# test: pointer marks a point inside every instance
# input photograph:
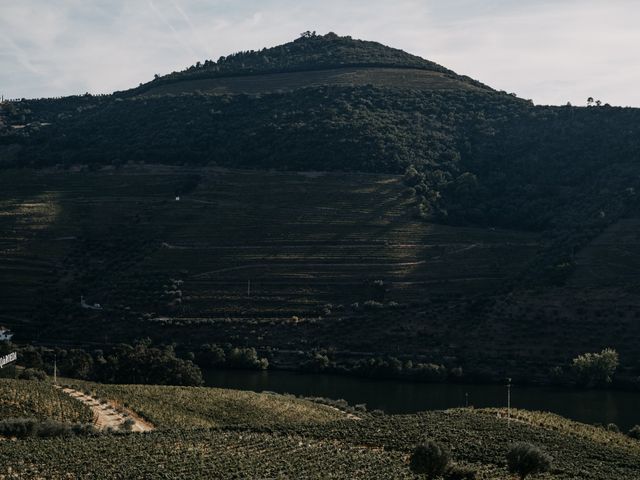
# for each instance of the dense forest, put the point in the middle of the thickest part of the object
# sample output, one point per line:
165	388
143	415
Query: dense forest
477	157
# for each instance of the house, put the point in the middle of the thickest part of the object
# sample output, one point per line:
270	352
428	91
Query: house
5	334
95	306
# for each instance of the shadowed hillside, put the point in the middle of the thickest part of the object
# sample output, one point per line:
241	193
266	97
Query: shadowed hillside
444	222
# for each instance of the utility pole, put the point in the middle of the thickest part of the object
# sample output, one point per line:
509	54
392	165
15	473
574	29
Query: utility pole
55	369
248	288
509	400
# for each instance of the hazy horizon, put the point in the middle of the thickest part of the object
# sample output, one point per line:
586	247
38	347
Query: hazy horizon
550	52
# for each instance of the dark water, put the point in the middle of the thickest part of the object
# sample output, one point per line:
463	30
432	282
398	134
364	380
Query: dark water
591	406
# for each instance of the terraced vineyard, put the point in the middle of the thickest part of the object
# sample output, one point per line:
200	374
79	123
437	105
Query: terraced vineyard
302	241
347	76
611	259
283	261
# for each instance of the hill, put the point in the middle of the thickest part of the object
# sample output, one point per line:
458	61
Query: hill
310	247
309	53
198	407
465	225
372	446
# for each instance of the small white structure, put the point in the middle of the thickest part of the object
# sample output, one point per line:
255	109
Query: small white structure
95	306
177	198
5	334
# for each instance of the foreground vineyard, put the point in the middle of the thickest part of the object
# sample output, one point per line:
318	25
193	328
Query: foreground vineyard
369	448
175	407
33	399
273	436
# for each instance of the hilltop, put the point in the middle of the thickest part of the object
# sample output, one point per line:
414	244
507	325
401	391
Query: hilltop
309	53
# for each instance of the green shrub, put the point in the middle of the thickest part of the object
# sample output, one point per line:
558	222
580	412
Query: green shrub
17	427
430	459
634	432
525	459
247	358
32	374
593	369
30	427
128	424
458	472
316	362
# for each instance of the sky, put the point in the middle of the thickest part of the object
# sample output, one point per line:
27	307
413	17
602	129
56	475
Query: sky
549	51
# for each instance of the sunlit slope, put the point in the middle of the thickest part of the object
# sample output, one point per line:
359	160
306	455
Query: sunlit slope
204	407
375	447
347	76
302	241
36	399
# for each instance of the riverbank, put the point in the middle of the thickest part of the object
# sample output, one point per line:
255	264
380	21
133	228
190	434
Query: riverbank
394	396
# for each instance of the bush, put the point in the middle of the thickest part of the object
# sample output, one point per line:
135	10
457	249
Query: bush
83	429
634	432
17	427
592	369
429	372
144	363
30	427
430	459
458	472
525	459
372	304
246	358
316	363
210	356
612	427
128	424
32	374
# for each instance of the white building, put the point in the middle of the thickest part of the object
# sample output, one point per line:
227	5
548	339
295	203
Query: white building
5	334
95	306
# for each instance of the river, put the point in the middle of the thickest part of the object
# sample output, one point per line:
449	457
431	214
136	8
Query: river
588	406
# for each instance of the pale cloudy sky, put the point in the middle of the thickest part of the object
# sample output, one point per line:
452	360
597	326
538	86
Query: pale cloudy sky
551	51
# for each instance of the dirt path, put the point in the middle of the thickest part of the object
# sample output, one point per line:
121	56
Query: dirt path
348	415
106	415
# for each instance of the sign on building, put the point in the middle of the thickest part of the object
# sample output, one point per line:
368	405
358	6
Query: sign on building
11	357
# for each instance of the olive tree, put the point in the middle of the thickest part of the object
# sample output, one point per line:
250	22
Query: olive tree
429	459
593	369
525	459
